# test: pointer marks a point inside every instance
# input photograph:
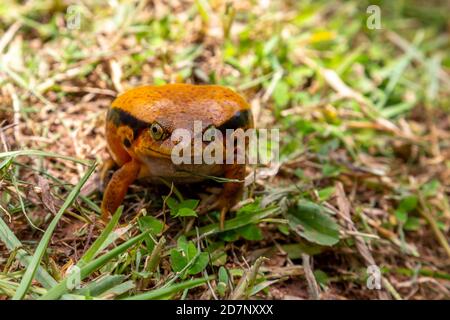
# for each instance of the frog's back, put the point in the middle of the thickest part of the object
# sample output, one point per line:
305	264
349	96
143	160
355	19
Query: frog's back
178	105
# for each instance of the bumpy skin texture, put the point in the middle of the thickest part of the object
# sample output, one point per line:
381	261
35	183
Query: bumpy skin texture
139	154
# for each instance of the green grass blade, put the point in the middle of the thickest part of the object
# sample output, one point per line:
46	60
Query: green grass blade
95	247
168	291
39	153
85	271
12	243
119	289
101	285
40	250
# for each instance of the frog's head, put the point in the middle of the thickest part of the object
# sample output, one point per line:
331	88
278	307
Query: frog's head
146	117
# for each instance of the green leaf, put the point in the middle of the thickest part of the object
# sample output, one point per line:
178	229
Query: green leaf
191	251
281	94
177	260
326	193
223	274
229	236
250	208
151	224
250	232
189	203
321	277
186	212
310	221
155	227
200	263
185	208
284	229
182	243
172	204
408	203
222	288
430	188
401	215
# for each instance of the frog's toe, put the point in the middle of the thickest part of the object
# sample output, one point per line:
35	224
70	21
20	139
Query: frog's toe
224	205
223	215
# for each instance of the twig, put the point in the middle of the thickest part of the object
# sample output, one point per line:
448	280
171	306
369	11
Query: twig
313	288
344	212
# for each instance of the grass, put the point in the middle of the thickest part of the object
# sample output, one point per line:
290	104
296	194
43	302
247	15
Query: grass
364	172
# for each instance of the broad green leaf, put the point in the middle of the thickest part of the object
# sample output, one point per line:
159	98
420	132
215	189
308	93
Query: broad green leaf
186	212
189	203
151	224
172	204
155	227
200	263
229	236
223	274
183	244
177	260
250	232
312	222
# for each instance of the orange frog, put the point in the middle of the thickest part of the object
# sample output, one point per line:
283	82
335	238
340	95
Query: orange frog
139	126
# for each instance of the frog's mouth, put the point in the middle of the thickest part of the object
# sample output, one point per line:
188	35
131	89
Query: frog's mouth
158	153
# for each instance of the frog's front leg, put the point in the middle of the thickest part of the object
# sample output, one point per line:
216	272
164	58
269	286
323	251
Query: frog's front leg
232	191
117	187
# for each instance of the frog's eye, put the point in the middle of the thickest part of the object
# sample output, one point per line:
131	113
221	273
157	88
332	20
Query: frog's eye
156	131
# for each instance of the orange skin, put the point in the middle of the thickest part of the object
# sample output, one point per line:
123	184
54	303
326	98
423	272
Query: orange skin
138	133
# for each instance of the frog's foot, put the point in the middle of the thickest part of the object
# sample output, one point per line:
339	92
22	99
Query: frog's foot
223	204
